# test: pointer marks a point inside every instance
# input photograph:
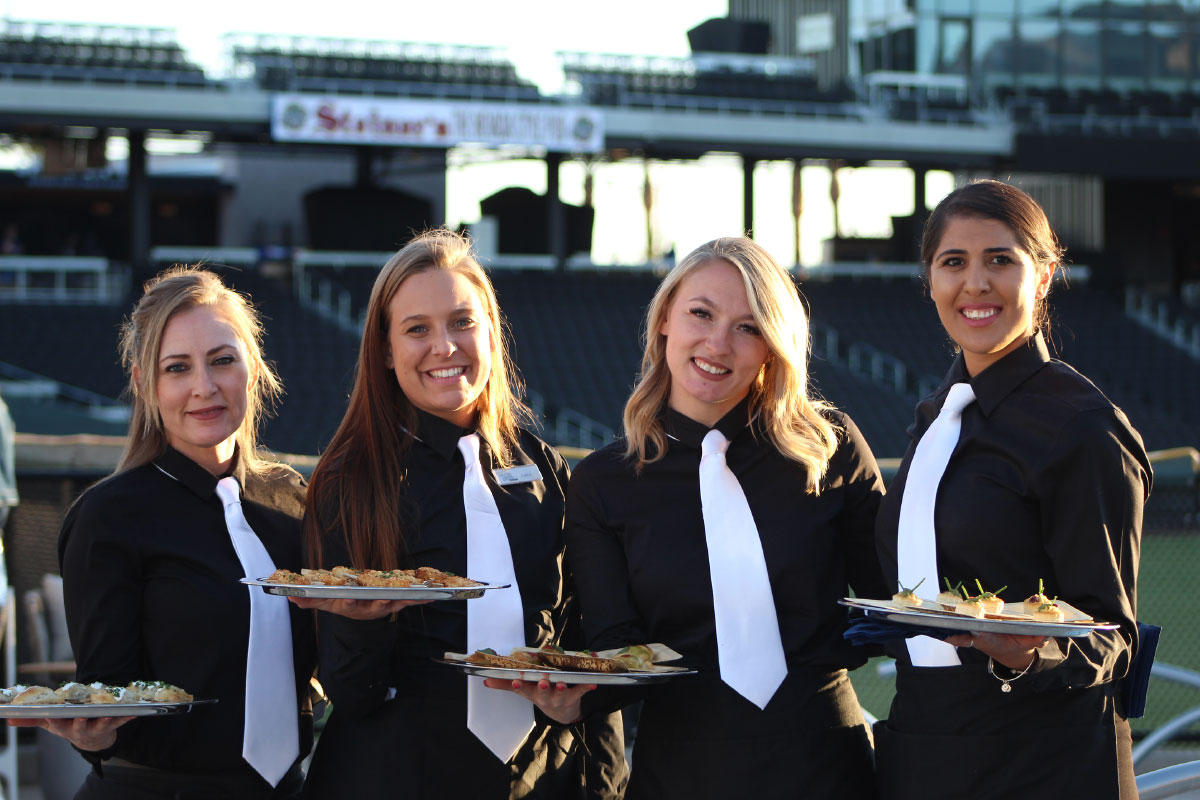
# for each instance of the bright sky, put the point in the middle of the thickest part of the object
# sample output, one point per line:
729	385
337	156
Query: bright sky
693	202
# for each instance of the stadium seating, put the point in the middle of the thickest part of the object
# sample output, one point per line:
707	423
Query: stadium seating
379	68
96	54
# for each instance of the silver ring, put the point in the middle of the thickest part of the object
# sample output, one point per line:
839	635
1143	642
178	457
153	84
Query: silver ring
971	643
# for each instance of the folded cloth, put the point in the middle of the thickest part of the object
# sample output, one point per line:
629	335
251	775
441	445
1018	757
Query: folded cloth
1135	684
877	630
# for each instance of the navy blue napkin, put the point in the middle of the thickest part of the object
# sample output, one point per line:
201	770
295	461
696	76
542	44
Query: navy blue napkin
1135	685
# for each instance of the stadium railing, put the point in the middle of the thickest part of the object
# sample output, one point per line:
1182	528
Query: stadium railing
61	279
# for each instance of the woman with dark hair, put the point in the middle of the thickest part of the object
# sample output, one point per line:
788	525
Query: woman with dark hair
726	523
151	563
1044	482
434	406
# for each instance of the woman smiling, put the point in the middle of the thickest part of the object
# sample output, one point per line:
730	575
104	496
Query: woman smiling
1042	481
726	523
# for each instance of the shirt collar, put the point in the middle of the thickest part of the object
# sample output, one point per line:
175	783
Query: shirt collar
996	382
200	481
439	435
692	433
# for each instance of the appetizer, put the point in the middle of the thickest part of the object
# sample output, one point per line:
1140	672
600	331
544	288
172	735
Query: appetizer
971	606
1048	612
519	659
908	597
423	577
1036	601
990	601
952	595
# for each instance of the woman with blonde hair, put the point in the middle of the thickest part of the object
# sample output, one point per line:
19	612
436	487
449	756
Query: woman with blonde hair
433	413
726	523
152	555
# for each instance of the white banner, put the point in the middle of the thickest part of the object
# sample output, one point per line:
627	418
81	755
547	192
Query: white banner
434	123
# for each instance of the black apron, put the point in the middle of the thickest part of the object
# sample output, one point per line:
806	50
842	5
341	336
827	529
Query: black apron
952	733
698	738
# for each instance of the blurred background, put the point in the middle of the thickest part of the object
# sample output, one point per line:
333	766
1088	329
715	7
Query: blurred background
585	148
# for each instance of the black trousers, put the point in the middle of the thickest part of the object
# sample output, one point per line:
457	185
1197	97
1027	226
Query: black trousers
147	783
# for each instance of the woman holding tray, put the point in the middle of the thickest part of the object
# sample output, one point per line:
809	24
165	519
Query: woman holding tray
726	524
431	468
1020	470
151	558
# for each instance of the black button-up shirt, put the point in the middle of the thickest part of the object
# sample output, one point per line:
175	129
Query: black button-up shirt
636	542
1047	480
151	588
361	660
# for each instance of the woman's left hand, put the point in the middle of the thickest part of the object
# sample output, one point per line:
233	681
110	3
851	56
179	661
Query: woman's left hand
1015	652
560	702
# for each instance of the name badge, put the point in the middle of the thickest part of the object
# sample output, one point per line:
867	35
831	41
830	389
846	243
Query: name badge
525	473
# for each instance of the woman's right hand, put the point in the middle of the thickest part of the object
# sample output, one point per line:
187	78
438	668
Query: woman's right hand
86	734
356	609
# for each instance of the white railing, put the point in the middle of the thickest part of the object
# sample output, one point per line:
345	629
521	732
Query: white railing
84	280
1154	314
573	429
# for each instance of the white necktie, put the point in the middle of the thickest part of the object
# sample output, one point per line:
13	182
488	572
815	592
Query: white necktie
271	737
916	539
749	650
501	720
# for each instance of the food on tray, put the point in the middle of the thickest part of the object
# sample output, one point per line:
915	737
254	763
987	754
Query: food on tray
1047	612
971	606
952	595
579	660
37	696
73	693
635	658
990	601
1036	601
908	597
422	577
520	659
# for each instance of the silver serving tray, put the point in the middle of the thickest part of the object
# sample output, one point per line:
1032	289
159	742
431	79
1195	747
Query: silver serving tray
948	620
564	676
96	710
374	592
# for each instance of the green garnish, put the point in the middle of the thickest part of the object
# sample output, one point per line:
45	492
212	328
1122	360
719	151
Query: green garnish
909	591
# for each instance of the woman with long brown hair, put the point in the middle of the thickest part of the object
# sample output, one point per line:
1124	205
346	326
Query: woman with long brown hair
726	523
434	406
151	561
1042	483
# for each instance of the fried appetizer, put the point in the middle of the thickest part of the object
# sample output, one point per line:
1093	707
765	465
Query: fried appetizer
155	692
72	692
952	595
323	577
990	601
99	693
636	657
1036	601
38	696
285	576
350	574
393	579
908	597
518	660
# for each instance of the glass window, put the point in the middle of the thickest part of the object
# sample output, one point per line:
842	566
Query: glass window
1081	53
1082	9
1042	8
1170	51
993	49
1127	10
1124	51
1036	54
958	7
926	6
927	45
1167	10
997	8
954	47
